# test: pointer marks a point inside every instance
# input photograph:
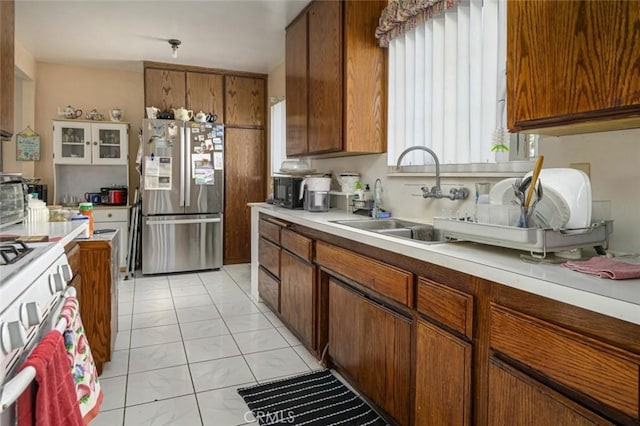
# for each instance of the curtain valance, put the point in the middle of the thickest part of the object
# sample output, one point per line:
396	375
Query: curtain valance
401	16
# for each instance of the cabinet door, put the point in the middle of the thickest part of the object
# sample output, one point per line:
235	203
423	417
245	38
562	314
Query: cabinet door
325	76
164	89
297	86
516	399
110	143
373	345
205	93
244	101
297	285
71	142
243	183
443	378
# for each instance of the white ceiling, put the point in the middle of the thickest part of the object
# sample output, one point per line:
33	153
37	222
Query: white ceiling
238	35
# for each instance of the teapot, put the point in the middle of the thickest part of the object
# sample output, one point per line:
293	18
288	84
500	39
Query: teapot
152	112
116	114
71	112
202	117
182	114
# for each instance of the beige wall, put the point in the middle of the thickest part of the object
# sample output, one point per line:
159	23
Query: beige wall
85	88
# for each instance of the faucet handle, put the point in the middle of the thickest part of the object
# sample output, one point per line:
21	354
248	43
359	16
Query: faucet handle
425	192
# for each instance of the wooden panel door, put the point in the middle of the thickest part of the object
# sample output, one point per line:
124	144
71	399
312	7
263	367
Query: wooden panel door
205	93
243	183
297	289
373	345
164	89
325	76
443	378
516	399
244	101
297	86
7	82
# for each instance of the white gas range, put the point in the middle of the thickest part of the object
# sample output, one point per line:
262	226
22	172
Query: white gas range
32	278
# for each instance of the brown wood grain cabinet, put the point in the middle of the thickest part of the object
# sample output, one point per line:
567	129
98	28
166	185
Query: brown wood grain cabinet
572	66
72	251
164	89
204	92
7	71
99	298
244	101
373	345
244	177
297	297
331	108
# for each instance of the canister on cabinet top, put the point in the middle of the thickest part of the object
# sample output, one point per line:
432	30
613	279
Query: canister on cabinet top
86	209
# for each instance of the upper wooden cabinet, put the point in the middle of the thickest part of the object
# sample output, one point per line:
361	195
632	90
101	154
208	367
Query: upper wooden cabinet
245	101
164	89
572	67
205	93
7	14
336	80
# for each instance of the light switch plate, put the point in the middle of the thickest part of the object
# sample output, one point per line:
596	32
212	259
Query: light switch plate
585	167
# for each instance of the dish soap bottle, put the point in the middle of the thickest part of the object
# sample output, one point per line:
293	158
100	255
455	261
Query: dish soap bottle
367	193
359	194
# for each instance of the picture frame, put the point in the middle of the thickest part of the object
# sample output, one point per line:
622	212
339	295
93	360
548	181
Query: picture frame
28	145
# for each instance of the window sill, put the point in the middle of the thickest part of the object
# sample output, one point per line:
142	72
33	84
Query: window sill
507	169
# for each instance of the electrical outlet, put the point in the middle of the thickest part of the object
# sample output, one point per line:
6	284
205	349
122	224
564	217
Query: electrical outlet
585	167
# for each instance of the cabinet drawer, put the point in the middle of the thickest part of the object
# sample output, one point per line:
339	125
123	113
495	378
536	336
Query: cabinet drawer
110	215
270	230
269	289
386	280
297	244
269	256
605	373
446	305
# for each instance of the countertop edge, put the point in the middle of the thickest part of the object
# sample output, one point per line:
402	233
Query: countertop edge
457	256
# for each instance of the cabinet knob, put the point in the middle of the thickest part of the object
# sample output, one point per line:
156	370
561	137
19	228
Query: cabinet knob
87	143
95	143
109	214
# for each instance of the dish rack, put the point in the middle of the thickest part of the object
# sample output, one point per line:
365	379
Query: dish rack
362	207
537	241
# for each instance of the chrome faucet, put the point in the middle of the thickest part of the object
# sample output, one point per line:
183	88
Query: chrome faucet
377	198
436	191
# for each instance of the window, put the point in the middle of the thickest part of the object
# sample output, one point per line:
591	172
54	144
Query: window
278	134
447	84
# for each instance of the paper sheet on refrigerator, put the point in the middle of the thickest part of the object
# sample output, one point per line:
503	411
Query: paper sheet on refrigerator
157	173
202	169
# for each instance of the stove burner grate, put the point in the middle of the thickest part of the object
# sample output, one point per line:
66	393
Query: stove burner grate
12	252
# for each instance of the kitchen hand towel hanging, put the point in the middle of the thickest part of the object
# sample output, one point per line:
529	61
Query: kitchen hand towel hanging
83	368
50	400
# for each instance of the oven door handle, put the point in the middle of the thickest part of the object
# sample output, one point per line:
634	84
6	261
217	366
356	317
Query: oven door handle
182	221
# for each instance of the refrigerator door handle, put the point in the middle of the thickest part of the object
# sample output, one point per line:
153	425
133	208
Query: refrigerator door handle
182	221
187	173
182	167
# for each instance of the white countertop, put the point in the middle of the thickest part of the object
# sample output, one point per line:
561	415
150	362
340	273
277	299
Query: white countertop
615	298
59	232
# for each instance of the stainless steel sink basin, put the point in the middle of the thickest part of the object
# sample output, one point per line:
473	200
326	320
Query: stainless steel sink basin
397	228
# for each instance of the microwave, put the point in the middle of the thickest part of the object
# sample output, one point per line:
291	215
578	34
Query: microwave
13	199
286	192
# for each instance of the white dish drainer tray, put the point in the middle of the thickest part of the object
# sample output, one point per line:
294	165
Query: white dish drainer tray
537	241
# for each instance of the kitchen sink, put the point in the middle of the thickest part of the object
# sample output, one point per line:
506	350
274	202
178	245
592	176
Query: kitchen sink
397	228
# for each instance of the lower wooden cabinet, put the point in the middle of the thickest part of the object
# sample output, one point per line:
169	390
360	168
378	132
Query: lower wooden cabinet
297	301
443	377
373	346
99	297
269	289
516	399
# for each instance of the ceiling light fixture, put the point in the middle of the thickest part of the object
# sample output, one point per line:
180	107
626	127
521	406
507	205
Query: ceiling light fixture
174	43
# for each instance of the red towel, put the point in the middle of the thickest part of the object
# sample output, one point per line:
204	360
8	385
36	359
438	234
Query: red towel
603	267
51	399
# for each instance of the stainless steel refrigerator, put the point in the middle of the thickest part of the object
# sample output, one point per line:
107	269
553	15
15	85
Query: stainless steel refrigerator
182	196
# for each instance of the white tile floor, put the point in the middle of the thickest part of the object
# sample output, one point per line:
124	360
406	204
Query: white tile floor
186	343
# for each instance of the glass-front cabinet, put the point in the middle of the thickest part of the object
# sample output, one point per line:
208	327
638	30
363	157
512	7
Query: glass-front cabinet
83	142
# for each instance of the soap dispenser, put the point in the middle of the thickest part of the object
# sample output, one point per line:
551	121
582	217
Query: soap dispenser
359	194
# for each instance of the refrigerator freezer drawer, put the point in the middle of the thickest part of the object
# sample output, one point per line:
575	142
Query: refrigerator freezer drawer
181	243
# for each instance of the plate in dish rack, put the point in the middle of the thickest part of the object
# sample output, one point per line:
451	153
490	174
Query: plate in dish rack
551	212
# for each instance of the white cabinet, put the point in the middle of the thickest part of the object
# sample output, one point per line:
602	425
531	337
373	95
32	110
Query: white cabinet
90	142
114	218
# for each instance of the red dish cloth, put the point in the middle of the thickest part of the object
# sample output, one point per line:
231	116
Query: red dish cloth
603	267
51	399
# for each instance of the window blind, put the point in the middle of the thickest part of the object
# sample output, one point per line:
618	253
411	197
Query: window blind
445	79
278	135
